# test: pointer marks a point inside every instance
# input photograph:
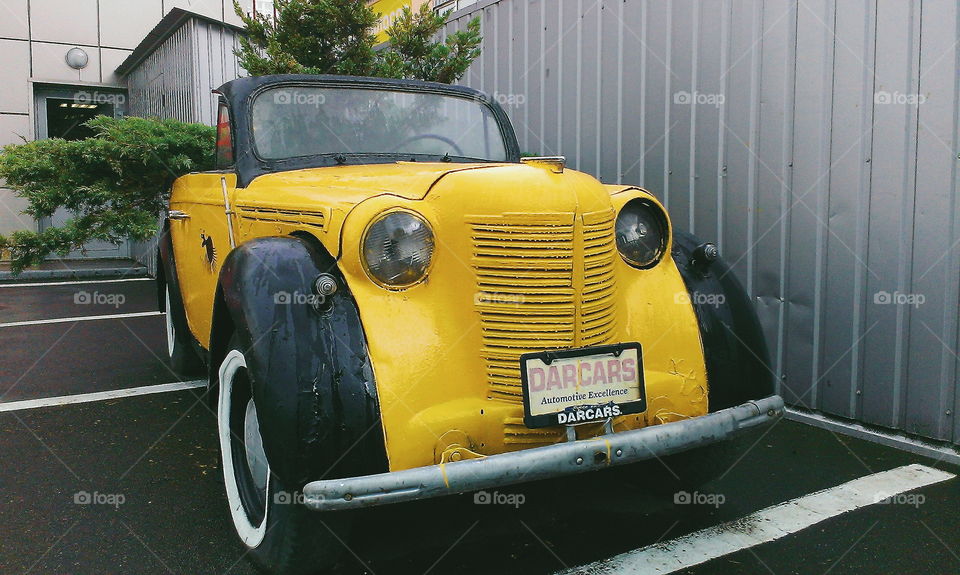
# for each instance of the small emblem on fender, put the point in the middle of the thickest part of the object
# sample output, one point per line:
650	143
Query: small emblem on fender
209	251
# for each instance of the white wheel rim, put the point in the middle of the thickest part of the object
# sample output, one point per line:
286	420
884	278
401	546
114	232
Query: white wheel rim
251	535
253	447
171	331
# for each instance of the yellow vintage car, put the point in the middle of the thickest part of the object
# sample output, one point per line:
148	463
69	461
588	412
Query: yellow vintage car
392	304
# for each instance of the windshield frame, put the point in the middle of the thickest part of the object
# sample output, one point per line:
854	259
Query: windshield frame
241	94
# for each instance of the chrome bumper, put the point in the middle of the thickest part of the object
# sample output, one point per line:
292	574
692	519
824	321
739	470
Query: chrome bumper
540	462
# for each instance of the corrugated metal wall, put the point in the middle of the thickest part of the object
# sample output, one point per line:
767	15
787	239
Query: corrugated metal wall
816	141
176	81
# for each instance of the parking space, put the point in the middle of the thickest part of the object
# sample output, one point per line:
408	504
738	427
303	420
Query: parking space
133	485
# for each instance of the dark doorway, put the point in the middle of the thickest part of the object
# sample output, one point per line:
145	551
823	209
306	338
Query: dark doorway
61	112
65	118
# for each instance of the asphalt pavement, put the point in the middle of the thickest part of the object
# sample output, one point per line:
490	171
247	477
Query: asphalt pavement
133	484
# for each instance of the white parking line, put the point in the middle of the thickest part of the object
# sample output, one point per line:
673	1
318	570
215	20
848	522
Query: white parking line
766	525
100	395
75	282
81	318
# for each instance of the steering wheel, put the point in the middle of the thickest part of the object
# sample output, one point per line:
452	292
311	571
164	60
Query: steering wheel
418	137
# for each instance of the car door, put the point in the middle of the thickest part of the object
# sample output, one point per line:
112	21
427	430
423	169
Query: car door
201	228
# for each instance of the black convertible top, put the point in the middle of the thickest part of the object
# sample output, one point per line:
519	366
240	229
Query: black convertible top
238	95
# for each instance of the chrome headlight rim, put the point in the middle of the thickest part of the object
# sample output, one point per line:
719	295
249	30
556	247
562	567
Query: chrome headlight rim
660	218
365	264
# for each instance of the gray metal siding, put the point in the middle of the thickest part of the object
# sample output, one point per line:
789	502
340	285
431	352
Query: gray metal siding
177	79
822	195
163	85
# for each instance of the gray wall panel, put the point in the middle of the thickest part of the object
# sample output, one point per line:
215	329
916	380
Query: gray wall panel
823	196
740	136
773	169
681	88
849	177
634	93
810	183
932	330
609	87
892	184
658	100
706	174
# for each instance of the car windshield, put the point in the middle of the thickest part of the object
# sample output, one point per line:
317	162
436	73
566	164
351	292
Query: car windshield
292	122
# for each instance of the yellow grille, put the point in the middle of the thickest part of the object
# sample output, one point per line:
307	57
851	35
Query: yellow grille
599	282
282	216
519	436
529	269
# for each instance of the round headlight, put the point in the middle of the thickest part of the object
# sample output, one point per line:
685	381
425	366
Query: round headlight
641	233
397	249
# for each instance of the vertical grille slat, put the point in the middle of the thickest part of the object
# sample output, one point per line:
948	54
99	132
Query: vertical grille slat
528	300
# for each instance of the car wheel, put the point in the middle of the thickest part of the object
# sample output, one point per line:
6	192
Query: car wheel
282	535
183	359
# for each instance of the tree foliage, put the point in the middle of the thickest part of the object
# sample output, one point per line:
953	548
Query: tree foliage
114	183
337	37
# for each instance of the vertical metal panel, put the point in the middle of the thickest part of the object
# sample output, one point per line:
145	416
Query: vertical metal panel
706	170
933	325
588	102
849	187
656	85
568	77
774	173
552	77
681	55
532	77
609	90
806	242
633	92
740	135
893	184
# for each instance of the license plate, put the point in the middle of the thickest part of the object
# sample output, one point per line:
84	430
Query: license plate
571	386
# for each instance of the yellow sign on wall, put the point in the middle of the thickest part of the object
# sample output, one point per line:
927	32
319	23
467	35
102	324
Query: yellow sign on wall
389	10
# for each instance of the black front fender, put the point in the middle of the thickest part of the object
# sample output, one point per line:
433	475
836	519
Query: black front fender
313	384
738	363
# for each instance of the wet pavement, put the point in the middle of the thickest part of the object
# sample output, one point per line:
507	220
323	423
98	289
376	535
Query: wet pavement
133	485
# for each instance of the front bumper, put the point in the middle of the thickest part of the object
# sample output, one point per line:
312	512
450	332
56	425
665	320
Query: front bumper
540	462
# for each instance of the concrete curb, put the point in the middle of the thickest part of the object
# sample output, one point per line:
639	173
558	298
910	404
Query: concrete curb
74	274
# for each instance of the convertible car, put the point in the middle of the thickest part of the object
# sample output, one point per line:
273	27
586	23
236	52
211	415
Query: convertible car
391	304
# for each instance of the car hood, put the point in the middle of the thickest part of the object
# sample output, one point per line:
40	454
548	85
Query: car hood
345	186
